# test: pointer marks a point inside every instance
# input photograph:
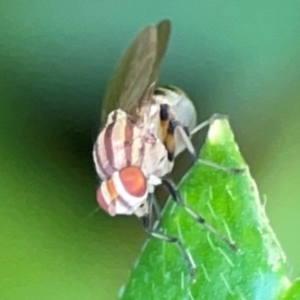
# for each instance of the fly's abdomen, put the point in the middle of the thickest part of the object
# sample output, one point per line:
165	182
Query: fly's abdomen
177	119
181	107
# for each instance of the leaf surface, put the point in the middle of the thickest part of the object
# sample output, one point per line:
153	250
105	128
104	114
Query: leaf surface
231	204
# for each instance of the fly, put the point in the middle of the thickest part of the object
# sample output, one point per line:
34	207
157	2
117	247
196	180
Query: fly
146	127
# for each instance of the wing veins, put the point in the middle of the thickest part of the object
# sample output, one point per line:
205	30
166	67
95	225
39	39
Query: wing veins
136	75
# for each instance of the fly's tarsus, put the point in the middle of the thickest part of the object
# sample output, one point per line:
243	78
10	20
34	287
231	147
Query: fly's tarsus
229	170
187	256
172	240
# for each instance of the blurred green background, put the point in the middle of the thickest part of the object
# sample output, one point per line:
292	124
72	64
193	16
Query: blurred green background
241	58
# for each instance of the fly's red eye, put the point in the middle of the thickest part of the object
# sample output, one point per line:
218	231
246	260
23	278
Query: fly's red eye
134	181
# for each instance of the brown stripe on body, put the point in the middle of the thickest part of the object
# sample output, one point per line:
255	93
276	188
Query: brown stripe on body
118	140
137	145
104	154
98	161
108	144
109	149
128	140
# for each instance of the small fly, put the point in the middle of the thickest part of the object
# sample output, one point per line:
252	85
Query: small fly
146	127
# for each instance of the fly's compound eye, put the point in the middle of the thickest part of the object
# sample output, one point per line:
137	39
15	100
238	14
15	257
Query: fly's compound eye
132	181
124	192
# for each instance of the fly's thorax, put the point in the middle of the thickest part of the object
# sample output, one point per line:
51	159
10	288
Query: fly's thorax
149	119
155	157
181	107
118	145
125	193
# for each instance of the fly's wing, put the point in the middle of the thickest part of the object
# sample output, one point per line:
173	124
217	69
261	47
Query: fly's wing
137	71
163	34
132	75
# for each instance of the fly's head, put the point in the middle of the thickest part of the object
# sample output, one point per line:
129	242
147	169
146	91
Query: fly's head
124	193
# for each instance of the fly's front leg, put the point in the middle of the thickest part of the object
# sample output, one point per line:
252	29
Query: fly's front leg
154	212
211	164
177	198
186	138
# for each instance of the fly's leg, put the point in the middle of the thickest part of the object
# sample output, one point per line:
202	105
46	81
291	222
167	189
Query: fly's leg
177	198
169	125
172	240
211	164
185	135
153	207
208	122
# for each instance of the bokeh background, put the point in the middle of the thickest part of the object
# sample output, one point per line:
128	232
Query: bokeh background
241	58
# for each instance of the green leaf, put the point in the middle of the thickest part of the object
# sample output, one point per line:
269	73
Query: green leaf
294	291
231	204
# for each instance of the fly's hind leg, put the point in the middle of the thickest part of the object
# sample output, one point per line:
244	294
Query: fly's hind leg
177	198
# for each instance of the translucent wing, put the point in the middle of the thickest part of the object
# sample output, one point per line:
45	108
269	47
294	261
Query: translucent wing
163	34
136	75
